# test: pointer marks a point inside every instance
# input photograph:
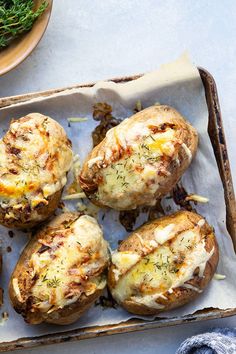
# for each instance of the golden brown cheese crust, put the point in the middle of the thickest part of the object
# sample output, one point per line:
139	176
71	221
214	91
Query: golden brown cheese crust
140	160
176	255
61	272
35	156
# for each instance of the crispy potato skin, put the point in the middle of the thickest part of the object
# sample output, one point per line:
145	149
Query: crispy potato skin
63	316
180	295
174	168
23	219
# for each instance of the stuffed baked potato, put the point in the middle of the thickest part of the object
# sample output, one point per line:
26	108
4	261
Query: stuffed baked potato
163	264
140	160
61	272
35	156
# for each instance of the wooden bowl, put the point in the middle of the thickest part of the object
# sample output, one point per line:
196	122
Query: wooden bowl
21	47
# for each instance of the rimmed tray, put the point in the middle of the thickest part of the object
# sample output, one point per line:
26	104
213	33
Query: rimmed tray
216	133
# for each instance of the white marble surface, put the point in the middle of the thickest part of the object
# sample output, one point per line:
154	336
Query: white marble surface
89	40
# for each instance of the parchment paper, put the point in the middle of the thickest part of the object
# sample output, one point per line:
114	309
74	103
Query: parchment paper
177	84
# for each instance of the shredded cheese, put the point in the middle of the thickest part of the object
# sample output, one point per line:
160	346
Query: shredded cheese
74	196
219	276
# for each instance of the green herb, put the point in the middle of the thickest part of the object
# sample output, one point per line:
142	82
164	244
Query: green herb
17	17
53	283
44	278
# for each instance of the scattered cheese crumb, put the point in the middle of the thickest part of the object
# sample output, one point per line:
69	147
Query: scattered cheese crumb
197	198
138	106
74	196
219	276
76	120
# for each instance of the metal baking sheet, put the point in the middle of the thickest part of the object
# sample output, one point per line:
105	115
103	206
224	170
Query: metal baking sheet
215	130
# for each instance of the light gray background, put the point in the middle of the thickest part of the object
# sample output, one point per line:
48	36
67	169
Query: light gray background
89	40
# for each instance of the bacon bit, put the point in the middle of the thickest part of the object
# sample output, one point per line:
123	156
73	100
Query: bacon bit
43	248
74	271
73	292
99	179
139	169
86	258
25	138
128	151
161	128
179	196
13	171
44	243
14	151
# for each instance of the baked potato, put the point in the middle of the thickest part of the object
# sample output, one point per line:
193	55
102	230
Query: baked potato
35	156
164	264
140	160
61	272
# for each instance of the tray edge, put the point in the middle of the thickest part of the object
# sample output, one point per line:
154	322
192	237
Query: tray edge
131	325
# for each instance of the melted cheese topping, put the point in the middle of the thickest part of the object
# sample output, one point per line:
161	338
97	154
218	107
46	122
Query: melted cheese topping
163	234
135	155
123	262
35	156
170	265
139	169
72	265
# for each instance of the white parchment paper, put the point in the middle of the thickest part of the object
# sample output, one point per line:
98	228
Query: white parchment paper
177	84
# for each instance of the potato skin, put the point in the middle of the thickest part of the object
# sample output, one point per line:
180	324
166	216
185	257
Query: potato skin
35	156
61	316
113	152
180	295
22	220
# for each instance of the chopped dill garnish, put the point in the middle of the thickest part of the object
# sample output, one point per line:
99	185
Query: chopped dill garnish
54	282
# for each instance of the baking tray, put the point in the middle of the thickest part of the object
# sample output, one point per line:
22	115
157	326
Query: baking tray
216	133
